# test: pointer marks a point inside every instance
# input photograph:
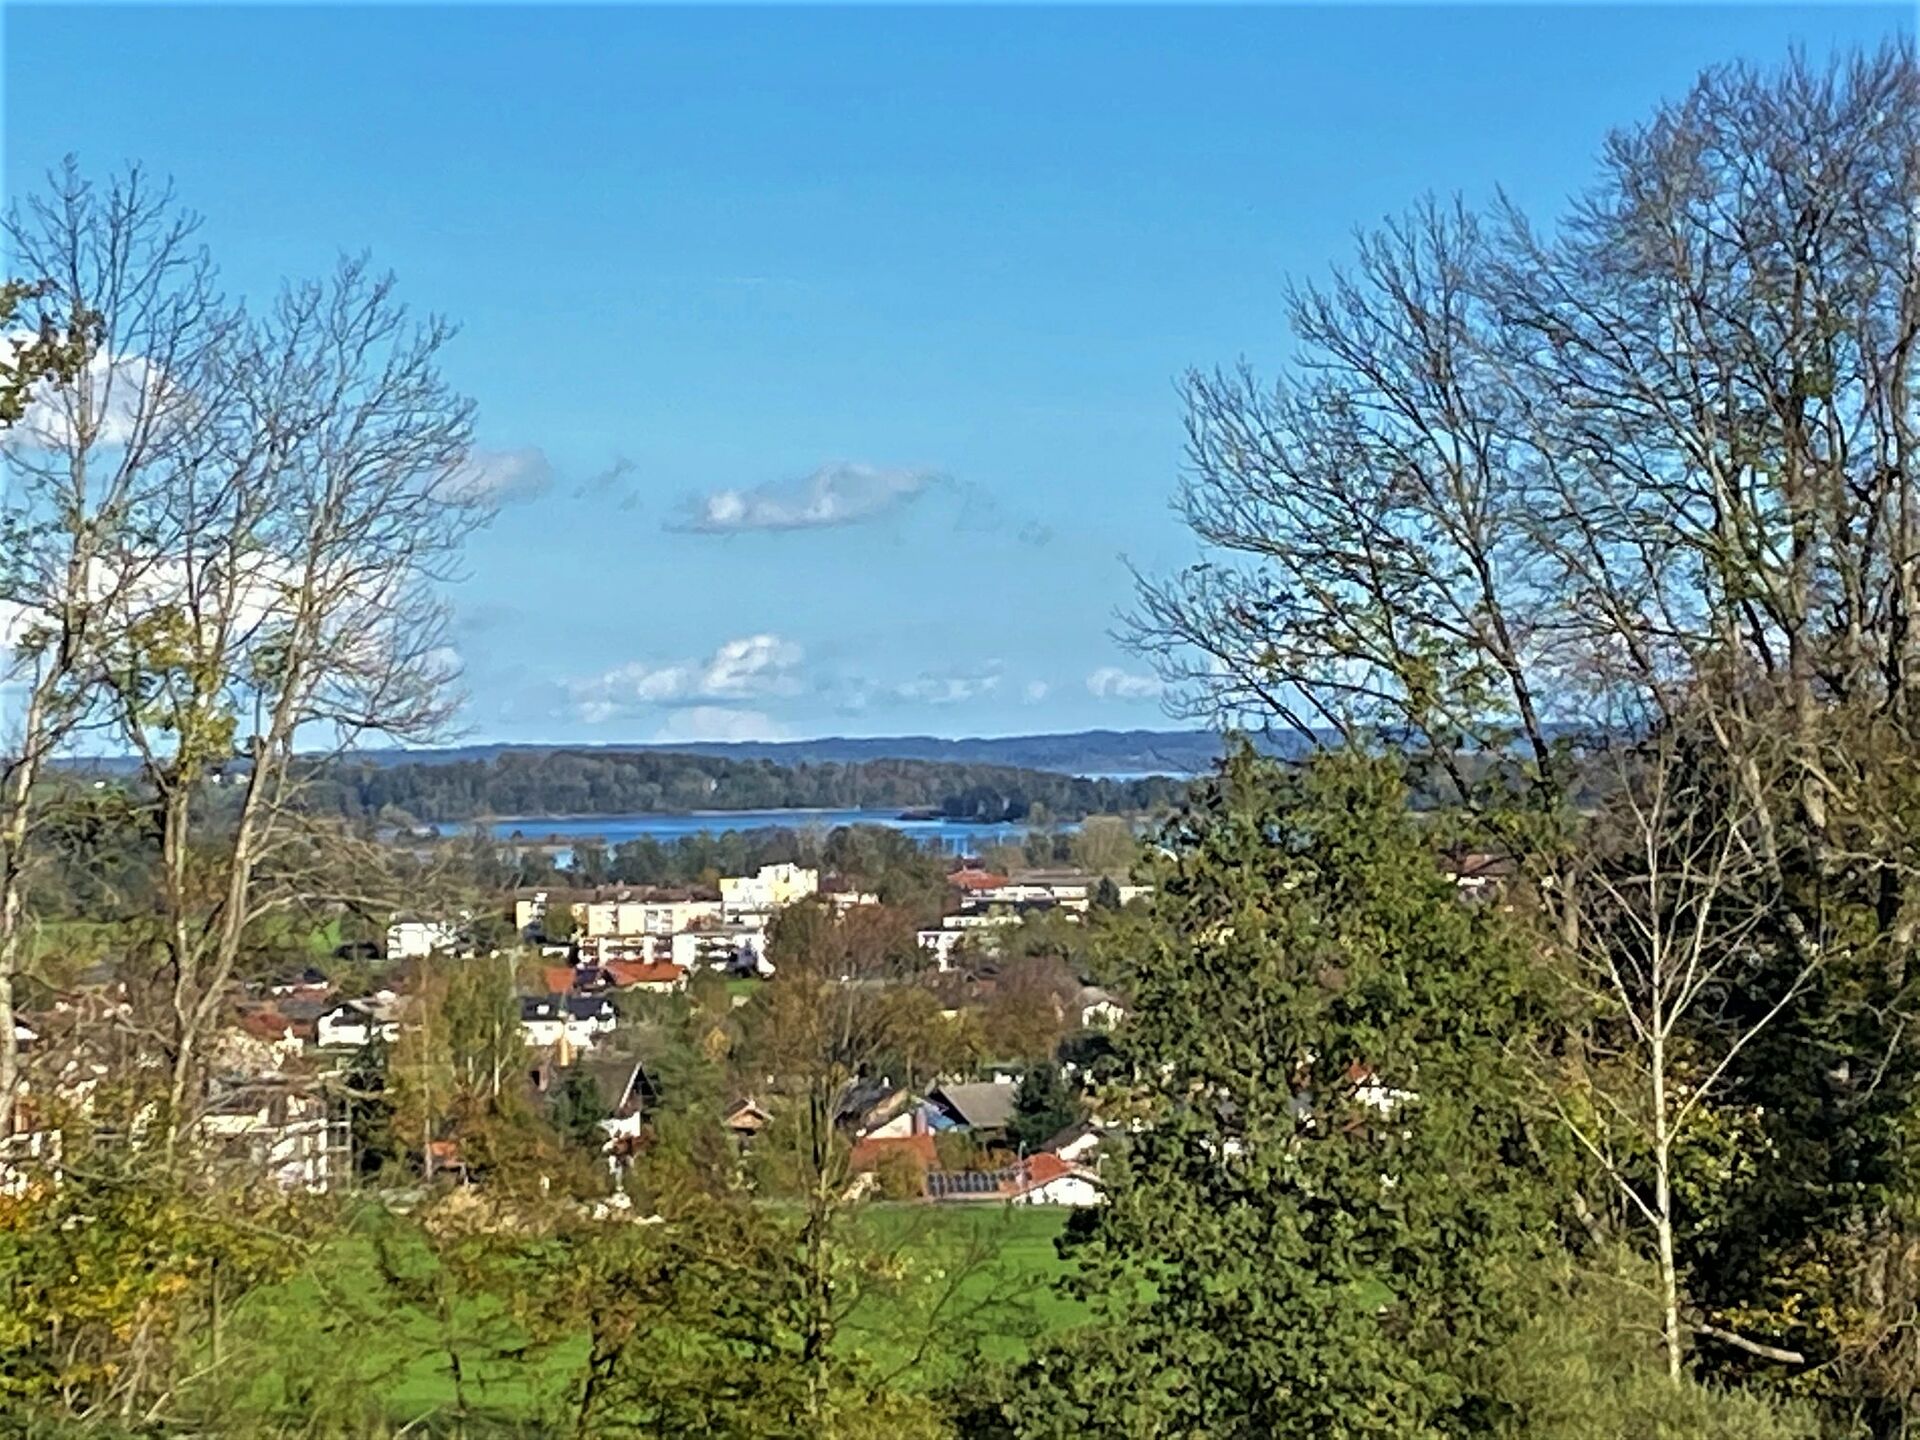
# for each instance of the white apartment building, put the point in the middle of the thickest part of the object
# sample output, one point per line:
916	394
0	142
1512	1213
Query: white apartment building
773	887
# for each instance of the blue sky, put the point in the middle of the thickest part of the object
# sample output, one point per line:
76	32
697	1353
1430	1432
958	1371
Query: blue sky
828	356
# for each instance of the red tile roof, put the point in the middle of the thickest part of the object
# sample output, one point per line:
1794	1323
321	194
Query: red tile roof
1044	1167
558	979
265	1024
974	879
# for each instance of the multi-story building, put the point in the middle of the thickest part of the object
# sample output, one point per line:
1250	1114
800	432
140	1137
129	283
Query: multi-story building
772	888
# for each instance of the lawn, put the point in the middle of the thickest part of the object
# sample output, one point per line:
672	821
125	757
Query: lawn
942	1274
985	1271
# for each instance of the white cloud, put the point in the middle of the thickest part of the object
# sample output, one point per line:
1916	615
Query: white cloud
116	391
502	477
741	669
932	689
1110	682
1036	691
838	494
754	665
718	722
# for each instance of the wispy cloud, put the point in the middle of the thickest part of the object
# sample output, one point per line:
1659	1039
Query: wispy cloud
1110	682
611	484
504	477
1036	691
719	722
948	688
838	494
749	667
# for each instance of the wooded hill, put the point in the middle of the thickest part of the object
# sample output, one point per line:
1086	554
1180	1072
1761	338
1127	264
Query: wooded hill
589	782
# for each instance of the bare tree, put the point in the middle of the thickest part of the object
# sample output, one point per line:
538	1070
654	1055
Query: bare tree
291	610
1720	343
106	432
831	1022
1650	468
1368	521
1673	963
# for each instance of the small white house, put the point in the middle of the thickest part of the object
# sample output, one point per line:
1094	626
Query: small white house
940	944
1100	1010
579	1020
352	1023
417	939
1075	1188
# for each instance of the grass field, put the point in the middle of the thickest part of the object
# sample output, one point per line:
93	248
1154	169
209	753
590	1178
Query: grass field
948	1274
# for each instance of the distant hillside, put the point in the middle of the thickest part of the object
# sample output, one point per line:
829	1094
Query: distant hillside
616	782
1084	752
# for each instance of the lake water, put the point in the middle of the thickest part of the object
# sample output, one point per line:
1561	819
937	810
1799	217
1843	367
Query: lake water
613	829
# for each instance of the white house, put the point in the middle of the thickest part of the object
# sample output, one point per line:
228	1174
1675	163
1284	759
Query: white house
272	1129
417	939
578	1020
941	944
1100	1010
1048	1180
352	1023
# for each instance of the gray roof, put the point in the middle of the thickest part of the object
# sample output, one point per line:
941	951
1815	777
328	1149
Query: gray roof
984	1105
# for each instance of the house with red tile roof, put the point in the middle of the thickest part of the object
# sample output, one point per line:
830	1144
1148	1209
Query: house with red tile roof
659	976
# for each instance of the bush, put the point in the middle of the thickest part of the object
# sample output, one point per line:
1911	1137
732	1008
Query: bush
901	1174
1587	1367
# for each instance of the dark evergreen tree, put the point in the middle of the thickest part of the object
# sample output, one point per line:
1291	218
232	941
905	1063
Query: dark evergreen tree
1043	1106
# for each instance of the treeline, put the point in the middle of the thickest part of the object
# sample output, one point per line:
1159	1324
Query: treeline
586	782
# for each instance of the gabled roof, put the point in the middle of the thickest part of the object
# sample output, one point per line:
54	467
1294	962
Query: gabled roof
746	1115
986	1105
623	1085
1060	1139
265	1024
1044	1169
623	973
863	1101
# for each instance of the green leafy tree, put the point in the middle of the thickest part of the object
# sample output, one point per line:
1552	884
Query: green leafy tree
578	1111
1316	1233
557	924
1105	845
1043	1106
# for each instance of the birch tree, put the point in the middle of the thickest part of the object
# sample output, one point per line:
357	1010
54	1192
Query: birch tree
1673	959
292	610
129	319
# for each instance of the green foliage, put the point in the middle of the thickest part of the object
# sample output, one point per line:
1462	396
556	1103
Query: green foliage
42	345
578	1111
557	923
1318	1232
113	1281
1043	1106
1580	1367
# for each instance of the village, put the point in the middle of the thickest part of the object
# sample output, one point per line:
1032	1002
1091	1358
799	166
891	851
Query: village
590	971
588	967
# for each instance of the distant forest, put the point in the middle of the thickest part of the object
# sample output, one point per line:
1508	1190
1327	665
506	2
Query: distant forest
587	782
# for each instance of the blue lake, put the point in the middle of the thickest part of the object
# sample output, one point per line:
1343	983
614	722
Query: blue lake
613	829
